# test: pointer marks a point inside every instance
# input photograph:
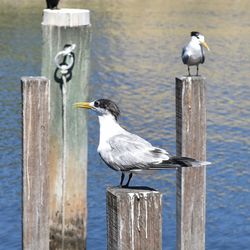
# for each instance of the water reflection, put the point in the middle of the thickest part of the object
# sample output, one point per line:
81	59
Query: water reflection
135	58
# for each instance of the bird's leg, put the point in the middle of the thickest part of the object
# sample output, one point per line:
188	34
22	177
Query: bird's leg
189	71
129	178
122	178
197	72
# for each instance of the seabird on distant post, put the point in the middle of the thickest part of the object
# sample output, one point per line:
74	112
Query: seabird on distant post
52	4
193	54
127	152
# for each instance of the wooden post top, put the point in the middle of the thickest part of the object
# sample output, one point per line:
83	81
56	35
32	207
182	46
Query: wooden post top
66	17
131	190
134	218
191	77
35	78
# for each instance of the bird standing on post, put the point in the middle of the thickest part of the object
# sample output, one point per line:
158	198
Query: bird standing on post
193	54
127	152
52	4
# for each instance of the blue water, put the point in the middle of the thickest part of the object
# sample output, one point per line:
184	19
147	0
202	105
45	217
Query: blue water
135	58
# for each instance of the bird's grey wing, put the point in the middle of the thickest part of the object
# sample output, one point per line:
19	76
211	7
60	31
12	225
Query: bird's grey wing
129	151
185	55
202	55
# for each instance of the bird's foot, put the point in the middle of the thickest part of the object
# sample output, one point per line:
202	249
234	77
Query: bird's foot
125	186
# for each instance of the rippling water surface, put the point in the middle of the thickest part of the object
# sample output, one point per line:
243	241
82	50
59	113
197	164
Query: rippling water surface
135	58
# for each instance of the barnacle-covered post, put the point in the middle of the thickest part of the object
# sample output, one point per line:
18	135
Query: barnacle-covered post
65	62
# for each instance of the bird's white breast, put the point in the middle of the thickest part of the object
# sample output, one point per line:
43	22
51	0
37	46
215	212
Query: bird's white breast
108	128
194	52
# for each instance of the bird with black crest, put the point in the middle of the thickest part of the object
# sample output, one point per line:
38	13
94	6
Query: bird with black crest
126	152
193	53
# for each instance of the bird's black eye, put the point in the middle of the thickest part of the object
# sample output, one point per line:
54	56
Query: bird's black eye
96	103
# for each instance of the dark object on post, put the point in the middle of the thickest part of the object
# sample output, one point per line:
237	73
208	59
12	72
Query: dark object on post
35	94
134	219
52	4
191	182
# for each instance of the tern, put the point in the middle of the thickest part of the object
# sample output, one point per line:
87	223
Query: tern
193	54
126	152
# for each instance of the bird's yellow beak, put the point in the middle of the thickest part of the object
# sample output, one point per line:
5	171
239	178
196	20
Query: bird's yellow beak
85	105
205	45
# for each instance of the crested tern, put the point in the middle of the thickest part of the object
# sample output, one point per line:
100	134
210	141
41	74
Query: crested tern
127	152
193	54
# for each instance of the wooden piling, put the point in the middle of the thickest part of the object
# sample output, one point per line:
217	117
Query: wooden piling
191	182
35	94
134	219
67	126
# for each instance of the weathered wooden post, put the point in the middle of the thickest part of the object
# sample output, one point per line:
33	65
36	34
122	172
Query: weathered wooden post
66	40
35	95
134	219
191	182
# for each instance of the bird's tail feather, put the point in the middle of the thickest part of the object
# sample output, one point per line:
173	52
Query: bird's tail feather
176	162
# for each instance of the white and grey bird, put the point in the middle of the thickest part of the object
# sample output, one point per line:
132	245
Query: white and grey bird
193	54
127	152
